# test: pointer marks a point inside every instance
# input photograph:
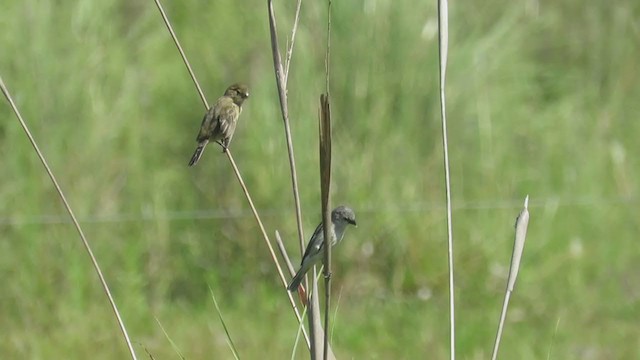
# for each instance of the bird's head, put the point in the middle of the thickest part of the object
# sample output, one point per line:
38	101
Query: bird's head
343	214
238	93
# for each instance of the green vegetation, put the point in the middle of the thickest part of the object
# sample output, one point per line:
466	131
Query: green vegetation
543	100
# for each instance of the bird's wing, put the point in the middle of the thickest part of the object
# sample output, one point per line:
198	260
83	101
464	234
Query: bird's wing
204	132
313	246
226	113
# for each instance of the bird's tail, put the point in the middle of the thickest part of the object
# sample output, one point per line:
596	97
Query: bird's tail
295	282
198	153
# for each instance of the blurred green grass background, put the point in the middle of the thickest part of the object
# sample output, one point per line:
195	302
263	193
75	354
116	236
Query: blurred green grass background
542	99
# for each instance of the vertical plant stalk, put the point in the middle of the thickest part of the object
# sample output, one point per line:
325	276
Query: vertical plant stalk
522	222
325	191
325	179
315	321
294	30
76	224
281	79
284	109
327	56
235	170
443	46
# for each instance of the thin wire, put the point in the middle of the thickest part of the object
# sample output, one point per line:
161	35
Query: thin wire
266	238
218	214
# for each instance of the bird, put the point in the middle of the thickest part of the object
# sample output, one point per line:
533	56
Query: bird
341	217
220	121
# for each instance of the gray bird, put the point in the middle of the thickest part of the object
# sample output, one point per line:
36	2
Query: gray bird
340	218
220	121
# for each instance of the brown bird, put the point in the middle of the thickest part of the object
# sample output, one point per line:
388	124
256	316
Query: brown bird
220	121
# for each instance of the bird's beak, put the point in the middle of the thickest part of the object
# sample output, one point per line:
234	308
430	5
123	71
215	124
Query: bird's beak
353	222
246	95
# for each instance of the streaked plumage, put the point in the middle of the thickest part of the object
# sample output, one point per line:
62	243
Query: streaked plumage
220	121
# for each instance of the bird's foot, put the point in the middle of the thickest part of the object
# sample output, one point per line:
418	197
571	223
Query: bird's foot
224	147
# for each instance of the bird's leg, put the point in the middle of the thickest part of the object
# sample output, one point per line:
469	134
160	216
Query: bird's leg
226	142
223	144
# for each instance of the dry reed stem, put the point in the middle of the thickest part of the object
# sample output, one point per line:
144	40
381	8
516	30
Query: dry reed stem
325	178
443	46
234	166
325	190
76	224
284	109
522	222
